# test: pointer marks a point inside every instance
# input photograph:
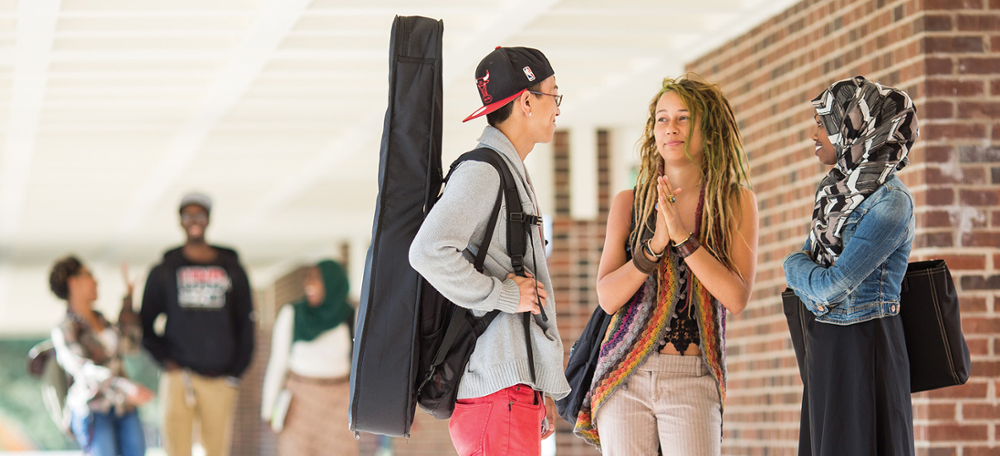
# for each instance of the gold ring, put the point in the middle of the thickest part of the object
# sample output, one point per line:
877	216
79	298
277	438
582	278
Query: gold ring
672	199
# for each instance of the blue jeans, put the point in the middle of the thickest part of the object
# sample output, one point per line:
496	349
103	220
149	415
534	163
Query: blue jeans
106	434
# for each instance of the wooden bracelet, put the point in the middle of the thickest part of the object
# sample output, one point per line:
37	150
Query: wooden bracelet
687	246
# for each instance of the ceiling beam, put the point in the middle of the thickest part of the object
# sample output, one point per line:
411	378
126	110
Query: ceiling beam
204	33
147	55
725	6
226	13
35	31
36	26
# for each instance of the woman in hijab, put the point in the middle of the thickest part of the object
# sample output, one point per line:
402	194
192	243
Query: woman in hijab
306	390
855	371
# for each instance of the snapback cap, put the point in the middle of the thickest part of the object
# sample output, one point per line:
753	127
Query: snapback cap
505	74
198	199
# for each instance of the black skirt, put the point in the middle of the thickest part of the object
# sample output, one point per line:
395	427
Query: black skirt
856	387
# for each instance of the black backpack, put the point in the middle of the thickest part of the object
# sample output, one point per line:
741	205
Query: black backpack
582	363
446	346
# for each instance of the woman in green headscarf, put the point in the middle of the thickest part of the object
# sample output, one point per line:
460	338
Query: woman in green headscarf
306	390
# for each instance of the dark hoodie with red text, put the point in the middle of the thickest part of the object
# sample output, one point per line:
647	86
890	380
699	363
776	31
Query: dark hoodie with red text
208	306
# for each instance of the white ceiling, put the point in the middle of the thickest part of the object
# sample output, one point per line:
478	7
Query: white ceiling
110	110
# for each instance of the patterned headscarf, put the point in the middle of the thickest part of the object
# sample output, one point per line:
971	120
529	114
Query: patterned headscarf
872	128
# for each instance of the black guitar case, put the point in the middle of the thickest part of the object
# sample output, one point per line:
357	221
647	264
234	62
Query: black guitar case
383	368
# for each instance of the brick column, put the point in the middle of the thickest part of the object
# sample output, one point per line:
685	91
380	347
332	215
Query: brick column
576	252
961	222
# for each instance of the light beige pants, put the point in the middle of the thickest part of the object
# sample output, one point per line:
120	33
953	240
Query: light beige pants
187	396
670	401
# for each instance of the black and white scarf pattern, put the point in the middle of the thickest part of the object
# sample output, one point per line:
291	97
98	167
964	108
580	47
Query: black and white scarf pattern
872	128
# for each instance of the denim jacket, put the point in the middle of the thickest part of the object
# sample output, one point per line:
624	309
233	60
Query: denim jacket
864	282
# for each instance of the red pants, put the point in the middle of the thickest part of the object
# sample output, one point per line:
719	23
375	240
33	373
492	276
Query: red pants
507	422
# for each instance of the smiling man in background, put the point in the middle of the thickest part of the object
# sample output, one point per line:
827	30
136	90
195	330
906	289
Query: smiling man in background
208	339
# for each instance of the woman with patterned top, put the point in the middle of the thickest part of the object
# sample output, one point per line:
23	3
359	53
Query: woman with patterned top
680	251
102	400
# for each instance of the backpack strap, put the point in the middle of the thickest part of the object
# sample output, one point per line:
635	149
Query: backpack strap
518	224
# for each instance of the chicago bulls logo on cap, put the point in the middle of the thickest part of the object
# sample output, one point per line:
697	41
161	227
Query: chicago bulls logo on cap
481	83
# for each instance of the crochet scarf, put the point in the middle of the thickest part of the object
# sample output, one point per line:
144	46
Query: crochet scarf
635	331
872	128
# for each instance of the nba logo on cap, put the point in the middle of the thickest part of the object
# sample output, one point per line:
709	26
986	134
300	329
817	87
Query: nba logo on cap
529	74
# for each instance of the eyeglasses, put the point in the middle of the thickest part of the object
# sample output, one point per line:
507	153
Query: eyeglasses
187	218
557	97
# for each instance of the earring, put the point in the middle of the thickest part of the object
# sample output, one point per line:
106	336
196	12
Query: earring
529	114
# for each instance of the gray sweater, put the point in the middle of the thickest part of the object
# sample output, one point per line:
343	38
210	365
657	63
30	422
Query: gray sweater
443	252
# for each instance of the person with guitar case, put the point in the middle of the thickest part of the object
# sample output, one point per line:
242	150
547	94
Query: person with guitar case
387	339
412	344
505	393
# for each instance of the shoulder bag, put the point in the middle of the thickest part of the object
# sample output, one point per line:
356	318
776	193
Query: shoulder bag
932	324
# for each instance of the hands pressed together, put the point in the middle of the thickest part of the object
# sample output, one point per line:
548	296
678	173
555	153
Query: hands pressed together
669	227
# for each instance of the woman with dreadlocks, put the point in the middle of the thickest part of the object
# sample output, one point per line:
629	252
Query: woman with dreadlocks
680	251
855	372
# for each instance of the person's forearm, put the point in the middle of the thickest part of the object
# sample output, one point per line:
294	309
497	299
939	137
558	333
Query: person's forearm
725	285
615	289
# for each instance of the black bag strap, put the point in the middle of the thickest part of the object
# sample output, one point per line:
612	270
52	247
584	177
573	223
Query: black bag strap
518	222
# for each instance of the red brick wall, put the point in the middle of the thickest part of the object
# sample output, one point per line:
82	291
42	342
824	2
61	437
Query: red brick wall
962	42
576	253
946	55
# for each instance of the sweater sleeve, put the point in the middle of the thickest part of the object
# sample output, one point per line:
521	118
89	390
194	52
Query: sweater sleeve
152	306
243	327
437	251
277	366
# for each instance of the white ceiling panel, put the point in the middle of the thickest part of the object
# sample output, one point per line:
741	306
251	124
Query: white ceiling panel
134	41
